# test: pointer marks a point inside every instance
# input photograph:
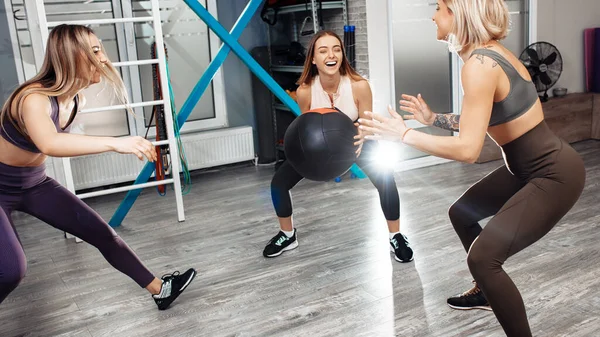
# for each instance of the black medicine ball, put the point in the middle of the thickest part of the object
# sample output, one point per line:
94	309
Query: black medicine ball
319	144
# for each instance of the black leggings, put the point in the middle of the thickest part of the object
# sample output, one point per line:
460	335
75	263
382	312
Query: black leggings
27	189
286	178
541	181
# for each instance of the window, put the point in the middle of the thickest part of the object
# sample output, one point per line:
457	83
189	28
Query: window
190	49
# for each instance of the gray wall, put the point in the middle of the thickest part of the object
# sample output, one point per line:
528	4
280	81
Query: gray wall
357	16
8	79
562	23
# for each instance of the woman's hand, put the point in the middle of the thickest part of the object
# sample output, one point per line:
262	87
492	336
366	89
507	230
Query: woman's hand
382	128
418	109
137	145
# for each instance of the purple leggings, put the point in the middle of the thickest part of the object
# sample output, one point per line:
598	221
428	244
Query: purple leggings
29	190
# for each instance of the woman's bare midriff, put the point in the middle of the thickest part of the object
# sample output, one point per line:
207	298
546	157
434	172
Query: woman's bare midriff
507	132
14	156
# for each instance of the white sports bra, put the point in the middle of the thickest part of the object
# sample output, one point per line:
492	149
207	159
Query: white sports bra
343	99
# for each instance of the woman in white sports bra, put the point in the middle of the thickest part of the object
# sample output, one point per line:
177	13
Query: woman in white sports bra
329	81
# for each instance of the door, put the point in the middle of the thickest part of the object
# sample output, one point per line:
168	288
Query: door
421	64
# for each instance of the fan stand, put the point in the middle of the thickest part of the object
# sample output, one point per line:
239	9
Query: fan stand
545	97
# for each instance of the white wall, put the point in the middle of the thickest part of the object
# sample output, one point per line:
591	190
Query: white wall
561	22
380	67
9	79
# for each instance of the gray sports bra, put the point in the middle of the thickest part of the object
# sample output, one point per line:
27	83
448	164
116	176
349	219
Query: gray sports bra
521	96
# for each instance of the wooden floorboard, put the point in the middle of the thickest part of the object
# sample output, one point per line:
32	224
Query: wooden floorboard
340	281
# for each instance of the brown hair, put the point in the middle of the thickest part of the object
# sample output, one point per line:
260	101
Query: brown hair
68	56
310	70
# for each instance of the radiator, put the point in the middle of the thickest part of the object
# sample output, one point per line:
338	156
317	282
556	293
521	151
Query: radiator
203	150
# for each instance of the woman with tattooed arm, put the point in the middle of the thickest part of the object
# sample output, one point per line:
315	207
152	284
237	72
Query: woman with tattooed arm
541	179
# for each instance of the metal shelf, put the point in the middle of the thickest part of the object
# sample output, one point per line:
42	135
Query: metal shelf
303	7
288	69
280	106
311	9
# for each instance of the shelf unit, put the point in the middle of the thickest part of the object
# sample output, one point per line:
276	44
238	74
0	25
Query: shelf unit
281	113
287	69
312	6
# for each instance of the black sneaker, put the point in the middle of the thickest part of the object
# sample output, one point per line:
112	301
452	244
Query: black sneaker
401	249
174	284
471	299
279	244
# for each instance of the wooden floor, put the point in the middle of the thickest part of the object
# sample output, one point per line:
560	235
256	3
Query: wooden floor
341	281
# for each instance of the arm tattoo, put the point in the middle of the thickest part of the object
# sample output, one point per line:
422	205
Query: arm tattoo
447	121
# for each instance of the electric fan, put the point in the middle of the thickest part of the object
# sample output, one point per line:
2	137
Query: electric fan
544	63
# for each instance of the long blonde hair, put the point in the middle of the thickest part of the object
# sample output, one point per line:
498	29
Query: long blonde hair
477	22
310	70
68	63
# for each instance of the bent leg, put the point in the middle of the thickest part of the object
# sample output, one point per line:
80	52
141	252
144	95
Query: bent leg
283	181
529	215
482	200
383	180
55	205
13	263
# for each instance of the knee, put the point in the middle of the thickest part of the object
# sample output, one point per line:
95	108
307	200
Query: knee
482	263
476	261
459	214
277	189
276	183
280	183
106	242
385	183
107	237
280	196
97	231
12	274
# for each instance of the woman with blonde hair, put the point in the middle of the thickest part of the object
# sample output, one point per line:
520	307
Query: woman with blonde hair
35	121
541	180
